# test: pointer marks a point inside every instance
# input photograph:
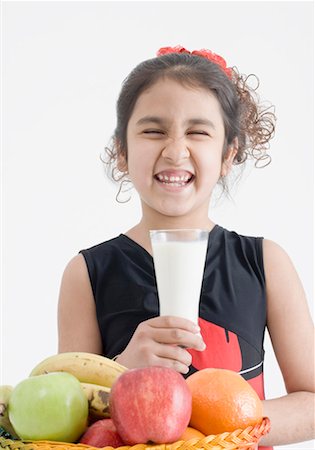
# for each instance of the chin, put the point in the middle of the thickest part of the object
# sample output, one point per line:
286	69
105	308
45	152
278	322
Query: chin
174	212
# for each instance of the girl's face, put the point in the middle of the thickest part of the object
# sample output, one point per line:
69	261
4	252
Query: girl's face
175	139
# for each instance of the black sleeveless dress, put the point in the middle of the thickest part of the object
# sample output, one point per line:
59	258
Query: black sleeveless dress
232	314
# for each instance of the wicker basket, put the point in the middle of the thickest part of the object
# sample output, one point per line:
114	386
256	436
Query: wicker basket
246	439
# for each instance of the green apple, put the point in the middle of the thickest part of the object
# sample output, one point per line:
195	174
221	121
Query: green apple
50	407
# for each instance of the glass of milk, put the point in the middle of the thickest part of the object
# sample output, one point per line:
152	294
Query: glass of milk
179	260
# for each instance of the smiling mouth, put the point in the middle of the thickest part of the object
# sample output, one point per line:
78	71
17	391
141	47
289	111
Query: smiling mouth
174	180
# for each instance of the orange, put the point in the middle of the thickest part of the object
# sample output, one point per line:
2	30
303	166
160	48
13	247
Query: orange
191	433
222	401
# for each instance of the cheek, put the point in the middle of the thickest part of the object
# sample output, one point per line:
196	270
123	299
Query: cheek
210	162
139	169
142	156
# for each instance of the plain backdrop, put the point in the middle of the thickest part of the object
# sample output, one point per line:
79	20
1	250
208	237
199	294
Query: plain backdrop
63	65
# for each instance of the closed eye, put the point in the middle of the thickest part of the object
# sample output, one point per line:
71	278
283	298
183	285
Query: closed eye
202	133
153	132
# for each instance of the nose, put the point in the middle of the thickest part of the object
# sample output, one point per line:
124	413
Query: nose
176	150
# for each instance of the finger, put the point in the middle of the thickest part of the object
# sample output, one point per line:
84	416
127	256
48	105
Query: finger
173	352
173	322
178	337
172	364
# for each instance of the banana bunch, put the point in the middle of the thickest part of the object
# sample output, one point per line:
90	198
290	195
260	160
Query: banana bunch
98	398
95	372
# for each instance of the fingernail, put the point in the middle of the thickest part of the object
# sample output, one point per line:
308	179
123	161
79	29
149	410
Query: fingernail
203	347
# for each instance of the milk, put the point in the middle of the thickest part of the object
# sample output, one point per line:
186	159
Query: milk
179	261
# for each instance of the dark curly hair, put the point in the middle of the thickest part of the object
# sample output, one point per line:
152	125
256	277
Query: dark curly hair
243	115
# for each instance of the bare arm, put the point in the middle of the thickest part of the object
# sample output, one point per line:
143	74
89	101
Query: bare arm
77	324
292	335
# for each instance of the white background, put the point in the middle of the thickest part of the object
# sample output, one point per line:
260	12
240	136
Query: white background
63	64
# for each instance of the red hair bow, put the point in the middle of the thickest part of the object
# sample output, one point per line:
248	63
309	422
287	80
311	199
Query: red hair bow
208	54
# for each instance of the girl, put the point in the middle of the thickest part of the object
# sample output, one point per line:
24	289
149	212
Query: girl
183	120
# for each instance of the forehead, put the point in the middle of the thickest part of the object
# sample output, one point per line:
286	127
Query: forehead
170	98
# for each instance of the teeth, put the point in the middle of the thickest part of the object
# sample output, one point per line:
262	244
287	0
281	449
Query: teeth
173	179
174	184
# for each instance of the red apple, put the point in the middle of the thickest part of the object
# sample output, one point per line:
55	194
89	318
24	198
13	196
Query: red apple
101	434
152	404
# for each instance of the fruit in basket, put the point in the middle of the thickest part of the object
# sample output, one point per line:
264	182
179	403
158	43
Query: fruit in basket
5	394
222	400
98	398
151	404
102	433
86	367
191	433
50	407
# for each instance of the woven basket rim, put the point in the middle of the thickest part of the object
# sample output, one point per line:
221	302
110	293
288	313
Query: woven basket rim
240	436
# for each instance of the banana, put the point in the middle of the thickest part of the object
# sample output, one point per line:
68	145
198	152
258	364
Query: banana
5	393
86	367
98	398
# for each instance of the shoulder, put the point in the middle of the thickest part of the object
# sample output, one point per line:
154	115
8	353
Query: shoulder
277	262
234	236
240	254
272	248
108	244
283	285
75	272
100	255
80	268
272	252
239	243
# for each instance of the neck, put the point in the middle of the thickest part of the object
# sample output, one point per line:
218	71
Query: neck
169	223
154	220
140	233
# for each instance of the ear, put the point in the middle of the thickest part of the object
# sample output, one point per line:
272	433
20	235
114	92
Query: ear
121	158
229	158
122	163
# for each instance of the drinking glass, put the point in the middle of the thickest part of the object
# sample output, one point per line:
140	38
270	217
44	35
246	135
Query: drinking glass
179	260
